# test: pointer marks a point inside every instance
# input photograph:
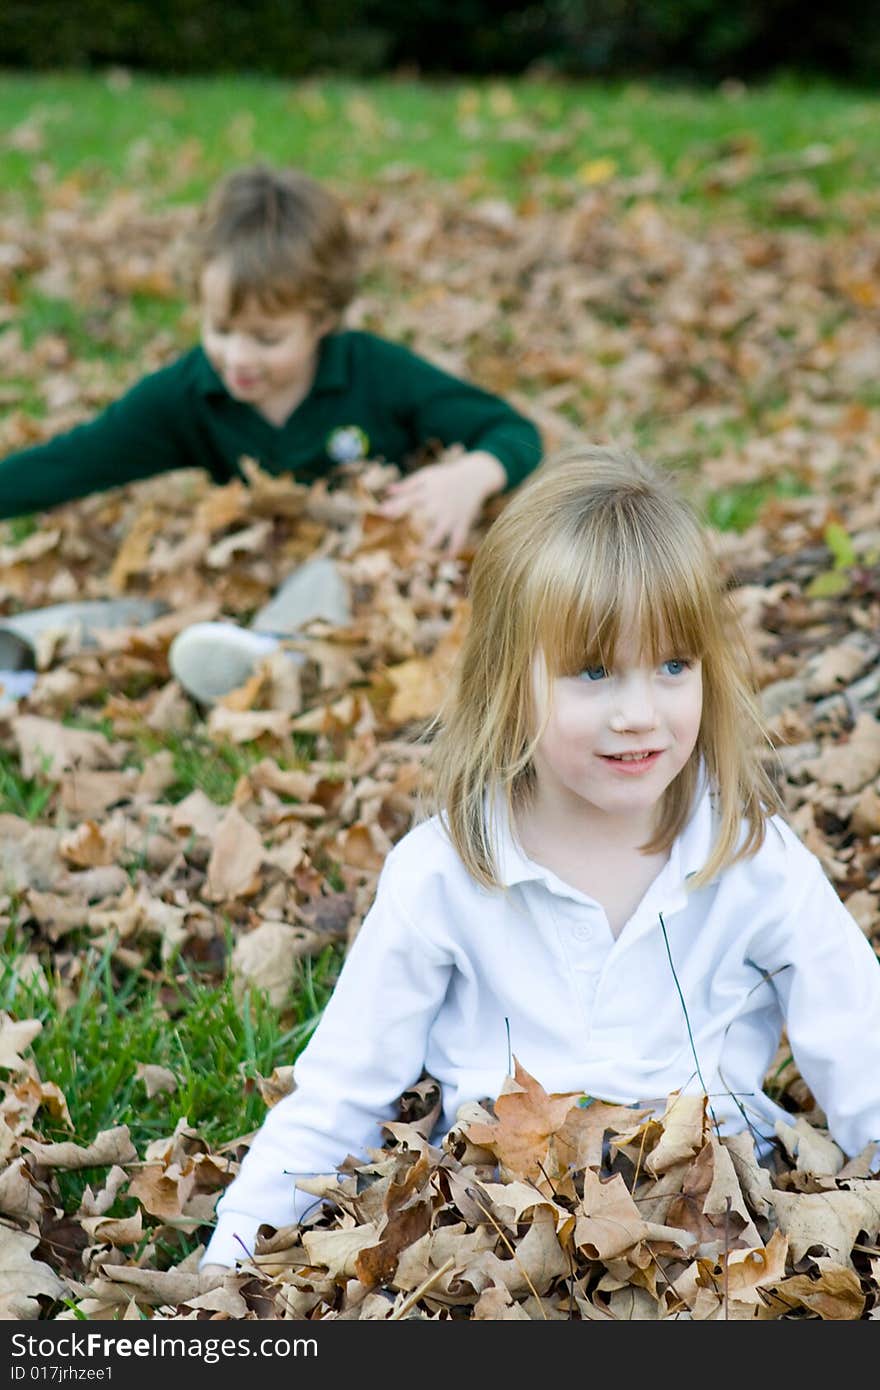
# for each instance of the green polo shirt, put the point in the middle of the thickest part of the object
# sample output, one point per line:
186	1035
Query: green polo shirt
370	398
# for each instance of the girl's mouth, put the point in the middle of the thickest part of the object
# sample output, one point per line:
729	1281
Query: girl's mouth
631	764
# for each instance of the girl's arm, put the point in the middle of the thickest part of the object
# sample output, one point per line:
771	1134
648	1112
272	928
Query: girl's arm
369	1046
828	980
141	434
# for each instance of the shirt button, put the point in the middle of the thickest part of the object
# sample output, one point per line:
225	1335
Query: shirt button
582	932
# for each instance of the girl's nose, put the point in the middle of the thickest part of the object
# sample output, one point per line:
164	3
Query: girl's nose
633	707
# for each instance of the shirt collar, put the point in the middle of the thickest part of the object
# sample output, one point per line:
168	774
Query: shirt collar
688	853
332	373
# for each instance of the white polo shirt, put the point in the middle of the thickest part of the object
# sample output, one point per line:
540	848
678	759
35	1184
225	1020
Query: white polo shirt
441	968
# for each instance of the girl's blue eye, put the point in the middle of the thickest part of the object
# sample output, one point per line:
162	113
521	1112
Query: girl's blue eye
675	666
594	673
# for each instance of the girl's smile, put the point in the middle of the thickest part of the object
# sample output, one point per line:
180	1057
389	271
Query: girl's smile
632	764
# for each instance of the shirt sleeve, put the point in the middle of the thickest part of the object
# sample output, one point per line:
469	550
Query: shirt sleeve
137	436
828	980
369	1046
434	404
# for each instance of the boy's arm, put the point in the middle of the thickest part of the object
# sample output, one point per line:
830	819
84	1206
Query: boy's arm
369	1046
828	981
137	436
434	404
501	446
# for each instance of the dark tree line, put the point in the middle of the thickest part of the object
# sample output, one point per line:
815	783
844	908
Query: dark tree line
704	39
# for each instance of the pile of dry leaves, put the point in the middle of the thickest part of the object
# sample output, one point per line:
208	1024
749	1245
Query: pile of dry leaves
597	315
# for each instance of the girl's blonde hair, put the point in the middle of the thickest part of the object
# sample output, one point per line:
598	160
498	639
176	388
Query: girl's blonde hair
285	239
594	541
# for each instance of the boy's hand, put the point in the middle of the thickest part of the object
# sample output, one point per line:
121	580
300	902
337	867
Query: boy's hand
447	497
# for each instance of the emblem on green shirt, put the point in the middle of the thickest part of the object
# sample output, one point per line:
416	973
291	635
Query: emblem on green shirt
347	443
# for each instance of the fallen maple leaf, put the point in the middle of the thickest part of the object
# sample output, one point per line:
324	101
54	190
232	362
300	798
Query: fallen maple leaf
526	1118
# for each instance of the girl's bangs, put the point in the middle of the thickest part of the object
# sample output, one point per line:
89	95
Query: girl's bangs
614	590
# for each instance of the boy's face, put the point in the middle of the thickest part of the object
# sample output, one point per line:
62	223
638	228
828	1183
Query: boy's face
600	719
259	356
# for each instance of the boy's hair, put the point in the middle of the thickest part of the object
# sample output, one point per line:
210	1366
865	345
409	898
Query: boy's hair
285	238
596	539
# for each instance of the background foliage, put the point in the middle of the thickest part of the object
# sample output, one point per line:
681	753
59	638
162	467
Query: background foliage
695	38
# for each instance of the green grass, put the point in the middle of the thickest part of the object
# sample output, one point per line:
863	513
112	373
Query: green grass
215	767
215	1047
21	796
737	507
113	332
176	136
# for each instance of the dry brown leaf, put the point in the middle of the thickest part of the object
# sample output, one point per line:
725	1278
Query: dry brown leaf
245	726
233	869
88	846
685	1128
526	1117
111	1146
495	1304
164	1188
754	1179
48	749
266	958
19	1196
14	1039
99	1203
152	1287
836	667
197	813
88	795
28	855
107	1230
157	1080
28	1095
811	1151
580	1139
421	685
836	1295
338	1251
752	1270
275	1087
828	1221
610	1224
513	1201
853	762
23	1280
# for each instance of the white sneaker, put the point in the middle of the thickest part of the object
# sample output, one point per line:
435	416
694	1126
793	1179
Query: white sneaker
210	659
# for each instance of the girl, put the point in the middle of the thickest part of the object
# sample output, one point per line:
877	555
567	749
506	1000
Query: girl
607	877
275	378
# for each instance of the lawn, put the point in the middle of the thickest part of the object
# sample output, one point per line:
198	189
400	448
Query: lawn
709	150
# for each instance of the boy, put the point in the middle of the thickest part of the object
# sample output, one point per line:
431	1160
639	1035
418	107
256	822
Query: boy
276	379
